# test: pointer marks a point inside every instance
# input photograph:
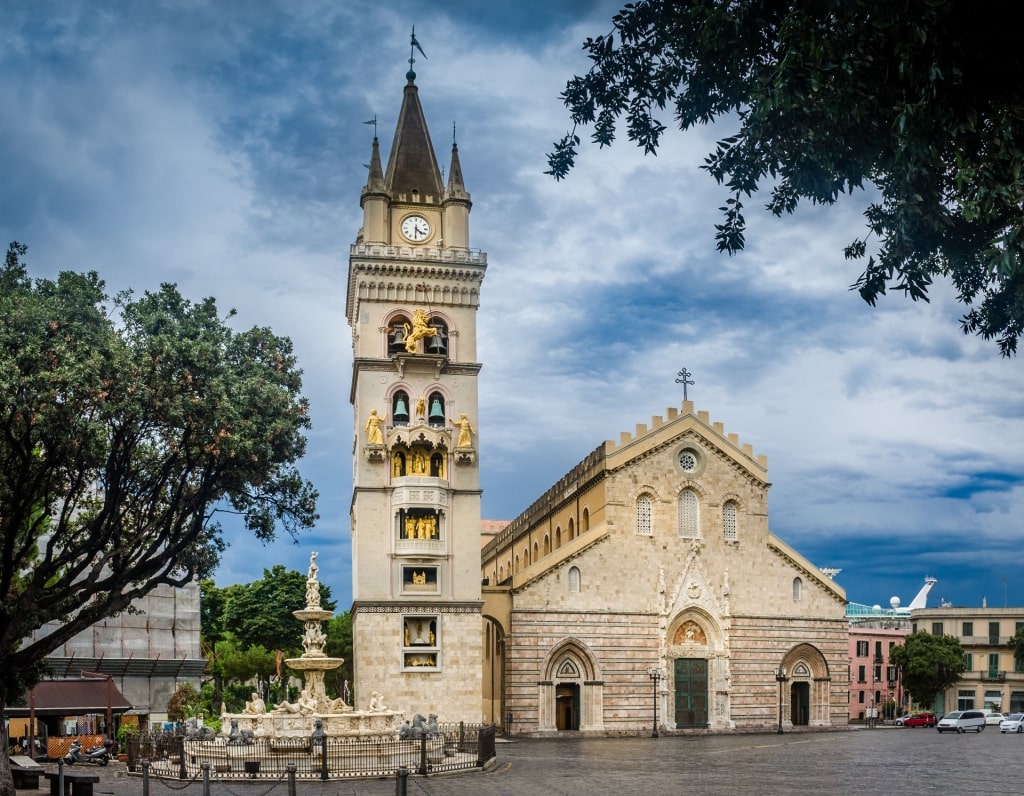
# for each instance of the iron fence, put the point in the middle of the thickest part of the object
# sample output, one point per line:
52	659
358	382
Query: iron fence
453	747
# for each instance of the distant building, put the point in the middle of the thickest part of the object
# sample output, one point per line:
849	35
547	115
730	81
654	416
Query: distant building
993	680
876	687
147	652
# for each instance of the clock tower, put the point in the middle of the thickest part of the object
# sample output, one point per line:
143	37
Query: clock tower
413	294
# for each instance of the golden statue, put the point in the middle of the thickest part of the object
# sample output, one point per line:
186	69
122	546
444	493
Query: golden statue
374	436
398	464
419	578
418	331
466	432
421	407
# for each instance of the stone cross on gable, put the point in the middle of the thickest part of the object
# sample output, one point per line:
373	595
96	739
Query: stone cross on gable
684	379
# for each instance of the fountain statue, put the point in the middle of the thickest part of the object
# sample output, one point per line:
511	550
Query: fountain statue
313	712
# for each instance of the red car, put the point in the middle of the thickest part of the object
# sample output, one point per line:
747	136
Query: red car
917	720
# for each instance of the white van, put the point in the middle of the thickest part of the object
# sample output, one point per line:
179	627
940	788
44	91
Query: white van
962	721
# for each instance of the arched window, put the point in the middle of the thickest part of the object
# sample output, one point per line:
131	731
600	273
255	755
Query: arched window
572	527
643	515
558	536
689	514
526	556
547	544
437	343
396	334
517	564
798	587
400	408
585	525
729	532
574	579
435	413
536	551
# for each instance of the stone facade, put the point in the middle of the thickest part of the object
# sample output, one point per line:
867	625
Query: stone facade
413	294
653	558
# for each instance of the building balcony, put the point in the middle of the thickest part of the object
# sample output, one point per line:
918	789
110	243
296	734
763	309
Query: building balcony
993	676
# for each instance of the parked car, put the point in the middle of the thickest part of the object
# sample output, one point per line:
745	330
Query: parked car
1012	723
962	721
994	718
924	719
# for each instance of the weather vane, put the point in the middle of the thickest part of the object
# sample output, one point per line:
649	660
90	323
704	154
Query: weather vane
414	45
684	379
373	121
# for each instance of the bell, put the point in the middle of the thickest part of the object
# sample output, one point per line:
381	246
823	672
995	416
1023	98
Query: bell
401	409
438	343
436	411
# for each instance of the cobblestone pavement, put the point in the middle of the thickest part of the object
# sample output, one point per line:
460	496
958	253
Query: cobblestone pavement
899	761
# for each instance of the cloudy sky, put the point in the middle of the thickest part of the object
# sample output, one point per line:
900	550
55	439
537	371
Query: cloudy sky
221	146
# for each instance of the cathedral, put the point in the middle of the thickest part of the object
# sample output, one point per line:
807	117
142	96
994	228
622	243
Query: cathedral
643	590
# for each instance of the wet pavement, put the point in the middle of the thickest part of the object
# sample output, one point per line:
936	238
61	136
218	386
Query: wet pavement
900	761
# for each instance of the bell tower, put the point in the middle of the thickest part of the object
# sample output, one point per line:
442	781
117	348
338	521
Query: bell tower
413	294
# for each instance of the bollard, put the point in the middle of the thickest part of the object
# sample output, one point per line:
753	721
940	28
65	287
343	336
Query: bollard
291	779
145	776
60	777
205	766
401	777
323	758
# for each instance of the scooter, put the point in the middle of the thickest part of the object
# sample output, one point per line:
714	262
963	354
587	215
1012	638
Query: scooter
98	754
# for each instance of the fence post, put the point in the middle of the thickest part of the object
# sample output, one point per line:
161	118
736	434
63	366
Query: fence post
422	770
205	766
182	771
145	776
323	758
60	776
401	776
291	779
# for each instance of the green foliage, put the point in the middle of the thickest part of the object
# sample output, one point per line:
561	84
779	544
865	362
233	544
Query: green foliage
260	613
184	702
911	98
127	424
1017	645
930	664
339	645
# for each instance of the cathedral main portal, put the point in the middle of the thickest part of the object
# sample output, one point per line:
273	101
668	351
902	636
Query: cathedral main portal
691	688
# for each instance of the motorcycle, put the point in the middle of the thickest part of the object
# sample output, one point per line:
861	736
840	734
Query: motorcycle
98	754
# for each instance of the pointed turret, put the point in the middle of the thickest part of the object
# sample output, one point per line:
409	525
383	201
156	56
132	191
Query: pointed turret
456	205
413	174
374	201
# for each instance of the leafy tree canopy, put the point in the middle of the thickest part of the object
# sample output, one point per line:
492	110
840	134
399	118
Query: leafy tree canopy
1017	645
126	424
913	98
260	613
930	664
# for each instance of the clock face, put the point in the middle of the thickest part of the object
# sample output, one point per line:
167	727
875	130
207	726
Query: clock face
415	228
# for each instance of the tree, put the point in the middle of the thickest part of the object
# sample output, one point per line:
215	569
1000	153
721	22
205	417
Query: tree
930	664
125	425
184	702
911	98
1017	645
260	613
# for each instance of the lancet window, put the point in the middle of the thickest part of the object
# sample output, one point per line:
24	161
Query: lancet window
689	514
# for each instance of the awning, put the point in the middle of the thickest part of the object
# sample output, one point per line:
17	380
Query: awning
78	697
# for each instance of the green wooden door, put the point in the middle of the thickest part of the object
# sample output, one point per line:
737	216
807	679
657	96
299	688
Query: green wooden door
691	677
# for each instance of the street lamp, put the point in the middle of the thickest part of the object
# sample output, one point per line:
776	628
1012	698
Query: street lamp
655	674
781	677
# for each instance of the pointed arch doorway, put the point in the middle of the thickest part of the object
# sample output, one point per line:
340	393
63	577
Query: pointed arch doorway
571	698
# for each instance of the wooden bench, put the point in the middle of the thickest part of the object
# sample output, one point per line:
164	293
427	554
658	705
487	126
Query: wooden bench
26	777
74	784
